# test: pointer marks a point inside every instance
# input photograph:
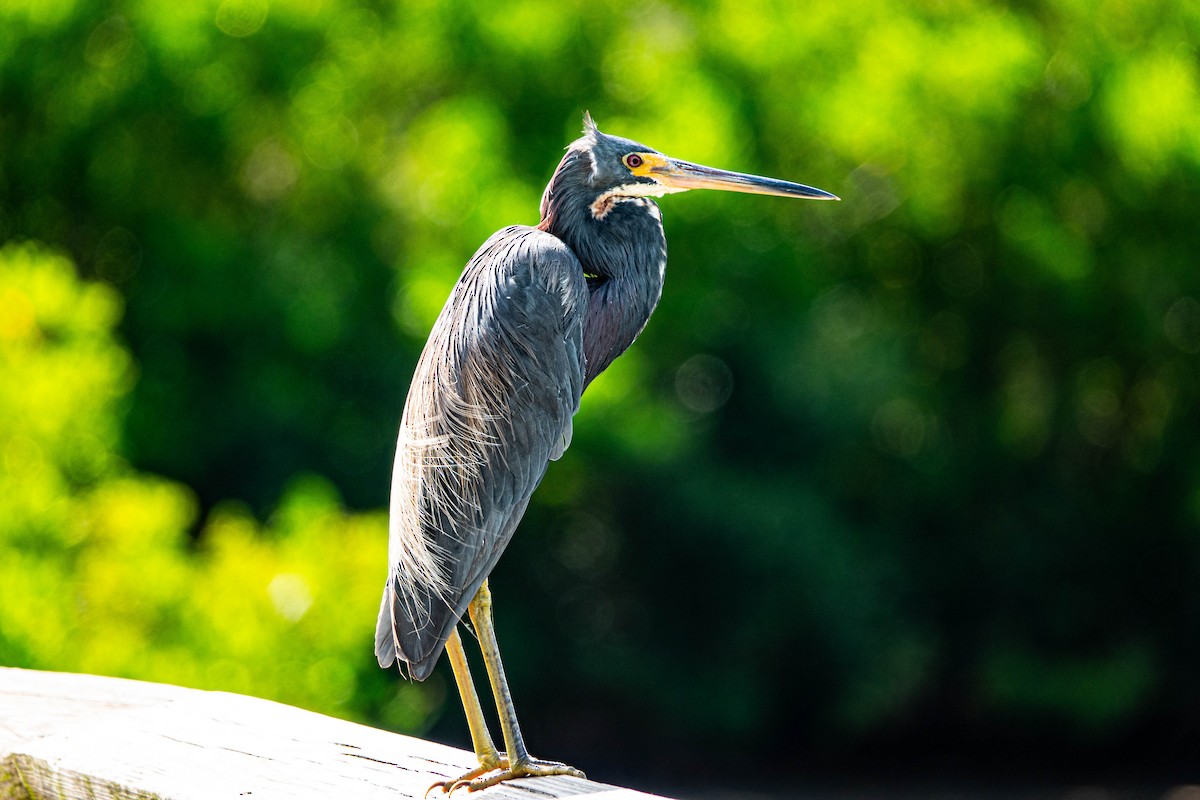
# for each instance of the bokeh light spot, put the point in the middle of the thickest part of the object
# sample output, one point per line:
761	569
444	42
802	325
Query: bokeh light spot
241	18
109	43
118	256
1027	398
901	428
1181	324
703	383
1098	410
291	596
269	172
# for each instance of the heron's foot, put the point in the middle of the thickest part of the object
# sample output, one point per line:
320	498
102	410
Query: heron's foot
486	764
525	768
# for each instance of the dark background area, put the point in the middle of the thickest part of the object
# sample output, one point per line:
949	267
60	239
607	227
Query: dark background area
904	489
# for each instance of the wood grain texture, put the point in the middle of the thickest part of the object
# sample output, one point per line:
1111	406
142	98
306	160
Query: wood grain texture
82	736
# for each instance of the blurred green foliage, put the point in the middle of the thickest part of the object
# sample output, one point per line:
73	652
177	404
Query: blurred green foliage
98	571
917	467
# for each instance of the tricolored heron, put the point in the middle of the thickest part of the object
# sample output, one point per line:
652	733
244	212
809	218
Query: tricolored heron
537	314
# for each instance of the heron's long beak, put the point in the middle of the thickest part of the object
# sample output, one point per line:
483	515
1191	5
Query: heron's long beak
686	175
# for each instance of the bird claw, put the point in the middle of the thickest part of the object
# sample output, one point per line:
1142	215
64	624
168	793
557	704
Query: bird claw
448	786
486	765
474	780
531	768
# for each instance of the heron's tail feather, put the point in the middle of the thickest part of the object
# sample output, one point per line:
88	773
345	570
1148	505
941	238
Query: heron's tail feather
385	636
412	629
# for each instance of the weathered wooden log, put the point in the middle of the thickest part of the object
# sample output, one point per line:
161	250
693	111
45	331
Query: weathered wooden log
82	736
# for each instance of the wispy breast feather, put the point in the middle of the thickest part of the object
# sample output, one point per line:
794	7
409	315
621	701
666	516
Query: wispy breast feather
490	405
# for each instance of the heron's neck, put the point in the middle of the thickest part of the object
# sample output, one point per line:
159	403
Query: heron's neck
624	256
621	302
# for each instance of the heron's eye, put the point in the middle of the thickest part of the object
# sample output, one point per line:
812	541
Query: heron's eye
633	160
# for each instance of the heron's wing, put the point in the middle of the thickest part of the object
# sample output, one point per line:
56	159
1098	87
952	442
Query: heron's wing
489	406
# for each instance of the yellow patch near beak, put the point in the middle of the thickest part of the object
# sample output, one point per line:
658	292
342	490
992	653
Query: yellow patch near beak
648	163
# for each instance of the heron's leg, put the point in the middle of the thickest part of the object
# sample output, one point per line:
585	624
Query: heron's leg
520	763
481	739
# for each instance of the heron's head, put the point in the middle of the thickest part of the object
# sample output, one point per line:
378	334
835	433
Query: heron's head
623	168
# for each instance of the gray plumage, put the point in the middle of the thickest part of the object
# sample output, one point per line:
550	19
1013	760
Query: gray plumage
537	314
491	402
489	407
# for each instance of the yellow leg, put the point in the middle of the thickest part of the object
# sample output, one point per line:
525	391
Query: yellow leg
520	763
485	750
